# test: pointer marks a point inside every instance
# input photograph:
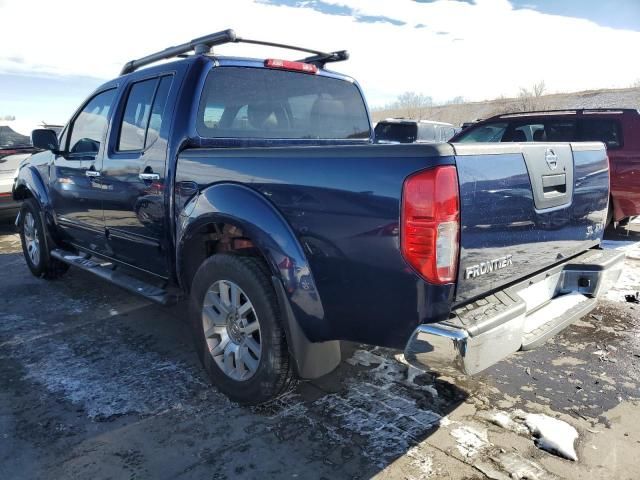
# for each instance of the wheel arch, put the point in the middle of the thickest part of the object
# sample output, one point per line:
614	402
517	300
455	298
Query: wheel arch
227	211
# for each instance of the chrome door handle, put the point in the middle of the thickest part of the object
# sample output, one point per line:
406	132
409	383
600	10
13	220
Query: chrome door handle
92	173
149	176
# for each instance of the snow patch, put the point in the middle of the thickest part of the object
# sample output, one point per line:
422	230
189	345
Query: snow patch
553	435
365	358
470	440
424	465
502	419
629	281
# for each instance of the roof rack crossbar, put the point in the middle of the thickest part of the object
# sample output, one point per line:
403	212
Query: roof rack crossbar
203	45
200	45
321	59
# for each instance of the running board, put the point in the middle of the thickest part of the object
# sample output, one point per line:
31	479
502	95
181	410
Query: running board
106	270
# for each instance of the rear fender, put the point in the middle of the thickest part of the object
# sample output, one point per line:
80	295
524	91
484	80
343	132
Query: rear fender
298	297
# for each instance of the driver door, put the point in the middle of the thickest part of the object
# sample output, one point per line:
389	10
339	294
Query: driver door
76	191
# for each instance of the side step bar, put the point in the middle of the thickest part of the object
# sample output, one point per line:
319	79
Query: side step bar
519	317
106	271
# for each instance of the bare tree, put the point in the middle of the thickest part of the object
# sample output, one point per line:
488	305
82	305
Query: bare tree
455	101
412	104
539	89
530	99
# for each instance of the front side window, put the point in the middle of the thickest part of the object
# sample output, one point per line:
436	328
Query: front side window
602	130
244	102
90	126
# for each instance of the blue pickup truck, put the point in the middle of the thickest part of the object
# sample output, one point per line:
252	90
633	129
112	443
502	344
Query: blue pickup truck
252	190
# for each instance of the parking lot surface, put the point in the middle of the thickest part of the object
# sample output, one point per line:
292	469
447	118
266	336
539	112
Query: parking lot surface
96	388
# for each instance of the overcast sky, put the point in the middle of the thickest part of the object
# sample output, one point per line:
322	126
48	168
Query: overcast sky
54	53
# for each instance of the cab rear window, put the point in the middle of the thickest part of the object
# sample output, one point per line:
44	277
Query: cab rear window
244	102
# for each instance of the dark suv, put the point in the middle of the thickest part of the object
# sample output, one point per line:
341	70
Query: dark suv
618	129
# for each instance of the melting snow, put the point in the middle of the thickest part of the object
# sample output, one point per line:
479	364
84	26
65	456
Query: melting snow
553	435
629	281
470	440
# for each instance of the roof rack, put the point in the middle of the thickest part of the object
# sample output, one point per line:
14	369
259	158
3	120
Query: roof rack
569	111
203	45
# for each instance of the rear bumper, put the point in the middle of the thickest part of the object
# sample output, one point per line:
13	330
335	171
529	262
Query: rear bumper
520	317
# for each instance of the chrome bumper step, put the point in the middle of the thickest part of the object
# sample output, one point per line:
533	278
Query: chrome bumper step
519	317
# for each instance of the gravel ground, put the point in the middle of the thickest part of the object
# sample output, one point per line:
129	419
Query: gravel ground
95	388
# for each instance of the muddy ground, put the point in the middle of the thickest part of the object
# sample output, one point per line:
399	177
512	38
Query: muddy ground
93	388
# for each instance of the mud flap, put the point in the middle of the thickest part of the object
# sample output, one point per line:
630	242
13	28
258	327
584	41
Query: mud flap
311	360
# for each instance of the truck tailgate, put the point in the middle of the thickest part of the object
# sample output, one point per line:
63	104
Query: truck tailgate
525	207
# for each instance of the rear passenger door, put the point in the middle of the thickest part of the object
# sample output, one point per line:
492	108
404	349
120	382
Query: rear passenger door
133	176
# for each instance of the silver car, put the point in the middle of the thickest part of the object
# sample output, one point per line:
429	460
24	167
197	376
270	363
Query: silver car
13	149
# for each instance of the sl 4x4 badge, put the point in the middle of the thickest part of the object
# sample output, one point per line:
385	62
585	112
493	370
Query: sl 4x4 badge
483	268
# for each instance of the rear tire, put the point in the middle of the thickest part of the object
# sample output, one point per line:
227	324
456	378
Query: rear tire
237	329
32	236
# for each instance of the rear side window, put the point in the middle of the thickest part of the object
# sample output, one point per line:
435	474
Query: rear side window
143	112
396	132
546	130
489	132
601	130
243	102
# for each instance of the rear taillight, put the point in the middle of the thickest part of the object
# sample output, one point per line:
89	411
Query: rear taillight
288	65
430	223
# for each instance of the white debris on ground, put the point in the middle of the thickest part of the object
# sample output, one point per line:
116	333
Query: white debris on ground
423	464
629	281
553	435
501	419
470	440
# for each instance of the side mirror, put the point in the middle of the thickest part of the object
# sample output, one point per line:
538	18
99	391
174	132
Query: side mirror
45	139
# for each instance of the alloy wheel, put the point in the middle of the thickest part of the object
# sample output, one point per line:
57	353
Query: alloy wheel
232	330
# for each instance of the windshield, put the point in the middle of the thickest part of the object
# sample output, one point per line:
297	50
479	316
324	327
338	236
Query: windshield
241	102
12	139
396	132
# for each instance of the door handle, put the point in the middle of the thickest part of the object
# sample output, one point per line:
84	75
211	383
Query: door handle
149	176
92	173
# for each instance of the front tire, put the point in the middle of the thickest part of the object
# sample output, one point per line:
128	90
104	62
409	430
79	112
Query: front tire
237	329
32	237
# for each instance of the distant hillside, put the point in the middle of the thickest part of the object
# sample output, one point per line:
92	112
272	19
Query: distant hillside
467	112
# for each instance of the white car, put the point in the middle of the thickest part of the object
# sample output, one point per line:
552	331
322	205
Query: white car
14	148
